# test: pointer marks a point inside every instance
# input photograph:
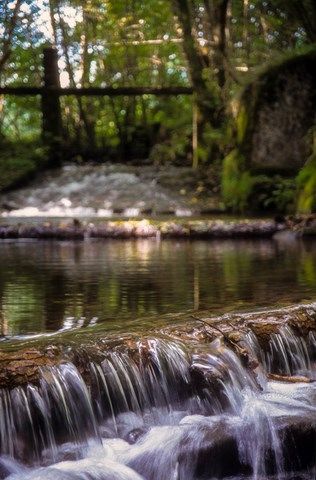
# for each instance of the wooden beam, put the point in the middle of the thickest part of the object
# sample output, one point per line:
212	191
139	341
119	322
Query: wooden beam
126	91
21	91
96	91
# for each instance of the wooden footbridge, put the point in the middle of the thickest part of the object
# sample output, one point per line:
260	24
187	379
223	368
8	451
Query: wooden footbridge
51	91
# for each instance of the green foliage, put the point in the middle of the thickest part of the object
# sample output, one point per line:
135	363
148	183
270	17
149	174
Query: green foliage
19	161
273	193
237	183
173	149
306	181
241	190
133	43
216	137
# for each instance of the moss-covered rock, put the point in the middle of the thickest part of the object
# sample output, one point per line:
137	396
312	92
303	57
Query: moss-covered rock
277	110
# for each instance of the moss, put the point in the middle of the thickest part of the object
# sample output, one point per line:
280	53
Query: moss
19	161
241	124
237	183
306	182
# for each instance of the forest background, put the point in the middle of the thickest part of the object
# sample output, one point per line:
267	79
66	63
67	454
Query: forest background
218	47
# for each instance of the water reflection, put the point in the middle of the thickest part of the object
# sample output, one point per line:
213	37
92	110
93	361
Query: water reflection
46	286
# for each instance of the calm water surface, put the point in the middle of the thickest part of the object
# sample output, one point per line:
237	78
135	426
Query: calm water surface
48	285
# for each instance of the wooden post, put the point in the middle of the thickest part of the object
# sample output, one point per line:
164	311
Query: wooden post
51	112
195	153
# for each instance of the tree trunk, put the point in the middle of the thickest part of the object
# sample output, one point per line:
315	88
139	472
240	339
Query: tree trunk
86	122
207	68
8	36
197	64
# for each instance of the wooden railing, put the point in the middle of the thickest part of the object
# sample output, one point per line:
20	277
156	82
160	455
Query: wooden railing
51	90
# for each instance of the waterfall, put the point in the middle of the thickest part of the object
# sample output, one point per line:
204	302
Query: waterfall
287	353
165	412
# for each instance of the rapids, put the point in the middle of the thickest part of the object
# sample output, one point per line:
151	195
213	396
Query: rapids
176	413
103	191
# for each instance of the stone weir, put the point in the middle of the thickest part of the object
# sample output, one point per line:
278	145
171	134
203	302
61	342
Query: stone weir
21	360
292	226
175	228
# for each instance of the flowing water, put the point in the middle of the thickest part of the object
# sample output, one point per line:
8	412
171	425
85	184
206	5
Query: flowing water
175	413
166	411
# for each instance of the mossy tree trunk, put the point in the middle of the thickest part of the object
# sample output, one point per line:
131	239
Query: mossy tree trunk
206	65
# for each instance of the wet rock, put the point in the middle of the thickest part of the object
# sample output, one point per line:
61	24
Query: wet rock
134	435
301	225
129	425
220	442
9	466
198	448
299	446
65	452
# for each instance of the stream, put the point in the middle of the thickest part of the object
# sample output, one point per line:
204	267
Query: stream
174	411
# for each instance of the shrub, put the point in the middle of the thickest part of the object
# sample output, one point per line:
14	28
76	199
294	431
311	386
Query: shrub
19	161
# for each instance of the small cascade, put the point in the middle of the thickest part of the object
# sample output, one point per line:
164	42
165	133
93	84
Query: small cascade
259	442
42	416
224	378
160	378
165	412
62	407
287	353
